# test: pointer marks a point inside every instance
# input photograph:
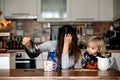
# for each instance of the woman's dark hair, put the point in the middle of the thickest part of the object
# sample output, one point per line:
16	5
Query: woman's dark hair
74	50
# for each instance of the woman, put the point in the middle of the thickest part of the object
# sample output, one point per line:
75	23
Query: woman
64	52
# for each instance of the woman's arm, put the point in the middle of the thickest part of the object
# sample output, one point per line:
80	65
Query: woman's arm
30	48
67	61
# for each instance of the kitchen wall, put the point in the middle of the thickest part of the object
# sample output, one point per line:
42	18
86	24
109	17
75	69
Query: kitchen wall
41	32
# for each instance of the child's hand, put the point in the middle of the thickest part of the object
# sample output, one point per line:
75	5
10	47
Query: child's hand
91	65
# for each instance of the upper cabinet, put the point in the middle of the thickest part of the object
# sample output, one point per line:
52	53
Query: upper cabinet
116	7
91	10
53	10
105	10
75	10
20	8
84	10
1	8
60	10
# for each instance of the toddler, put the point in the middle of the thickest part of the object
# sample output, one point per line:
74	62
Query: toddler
95	47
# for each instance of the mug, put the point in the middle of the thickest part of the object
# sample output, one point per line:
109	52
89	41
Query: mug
48	66
103	63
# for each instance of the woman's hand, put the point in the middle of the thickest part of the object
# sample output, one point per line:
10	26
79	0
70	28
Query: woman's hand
67	42
67	39
26	42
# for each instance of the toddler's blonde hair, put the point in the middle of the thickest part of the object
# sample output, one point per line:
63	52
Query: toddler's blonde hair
99	42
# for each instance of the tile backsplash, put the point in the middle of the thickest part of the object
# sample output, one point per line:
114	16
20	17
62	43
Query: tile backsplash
41	32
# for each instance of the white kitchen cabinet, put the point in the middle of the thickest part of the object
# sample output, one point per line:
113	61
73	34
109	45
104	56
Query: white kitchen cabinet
20	8
5	61
84	10
12	60
1	7
105	10
53	10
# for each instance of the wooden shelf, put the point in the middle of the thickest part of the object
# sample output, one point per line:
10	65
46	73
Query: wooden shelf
4	33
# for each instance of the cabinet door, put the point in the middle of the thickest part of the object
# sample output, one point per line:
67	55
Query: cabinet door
5	61
1	7
105	10
84	10
53	10
20	8
12	60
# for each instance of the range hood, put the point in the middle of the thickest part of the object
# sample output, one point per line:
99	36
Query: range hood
20	16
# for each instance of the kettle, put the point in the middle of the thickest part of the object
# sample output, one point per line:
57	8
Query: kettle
103	63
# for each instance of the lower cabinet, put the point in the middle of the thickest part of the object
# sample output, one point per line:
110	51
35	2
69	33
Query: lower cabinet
12	60
43	57
5	61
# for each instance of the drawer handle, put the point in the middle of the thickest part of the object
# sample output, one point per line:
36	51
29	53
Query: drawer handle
53	18
84	18
20	14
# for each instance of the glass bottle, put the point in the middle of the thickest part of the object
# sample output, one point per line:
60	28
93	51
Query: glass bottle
11	43
1	42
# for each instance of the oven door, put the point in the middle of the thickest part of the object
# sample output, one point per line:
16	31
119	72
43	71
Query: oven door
25	63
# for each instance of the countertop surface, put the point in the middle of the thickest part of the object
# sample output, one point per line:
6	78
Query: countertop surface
22	50
4	54
85	74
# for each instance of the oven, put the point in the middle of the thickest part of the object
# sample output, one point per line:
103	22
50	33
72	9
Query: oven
22	61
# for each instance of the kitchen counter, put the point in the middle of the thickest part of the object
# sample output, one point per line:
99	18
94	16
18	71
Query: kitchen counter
40	74
22	50
110	50
4	54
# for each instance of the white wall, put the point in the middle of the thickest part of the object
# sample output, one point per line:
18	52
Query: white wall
117	57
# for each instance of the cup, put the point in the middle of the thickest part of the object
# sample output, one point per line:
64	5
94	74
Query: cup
48	66
103	63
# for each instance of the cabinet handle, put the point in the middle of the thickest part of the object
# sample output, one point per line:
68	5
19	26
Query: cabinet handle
20	14
84	18
53	18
